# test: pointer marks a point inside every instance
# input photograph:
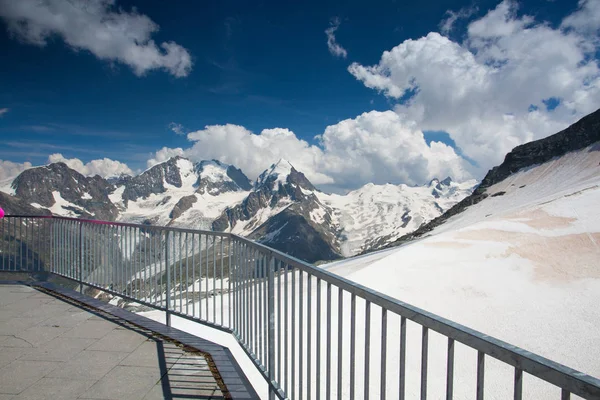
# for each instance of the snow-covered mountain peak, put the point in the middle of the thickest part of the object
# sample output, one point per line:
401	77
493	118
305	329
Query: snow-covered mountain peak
212	170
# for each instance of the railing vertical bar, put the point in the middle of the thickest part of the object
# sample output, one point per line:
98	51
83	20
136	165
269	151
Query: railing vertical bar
181	285
254	306
248	272
352	345
271	323
318	332
328	346
565	394
81	249
168	271
383	373
286	330
480	374
21	243
187	274
221	296
214	286
293	320
424	352
518	391
301	379
450	370
194	275
279	333
309	336
340	354
199	277
229	275
367	349
206	296
266	328
250	296
402	360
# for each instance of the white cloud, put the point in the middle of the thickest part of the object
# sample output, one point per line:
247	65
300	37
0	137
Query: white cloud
586	19
108	32
334	48
9	169
177	128
3	111
480	91
377	147
164	154
104	167
447	25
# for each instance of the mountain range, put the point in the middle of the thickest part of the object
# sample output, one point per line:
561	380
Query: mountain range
281	208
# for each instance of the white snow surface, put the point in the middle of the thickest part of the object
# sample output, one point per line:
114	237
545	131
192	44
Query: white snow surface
523	267
59	205
6	186
214	172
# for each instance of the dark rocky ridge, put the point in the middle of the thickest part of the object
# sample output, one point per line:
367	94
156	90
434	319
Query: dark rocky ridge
152	181
15	206
36	185
292	230
581	134
184	204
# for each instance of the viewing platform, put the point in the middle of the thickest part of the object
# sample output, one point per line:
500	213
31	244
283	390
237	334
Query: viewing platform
53	346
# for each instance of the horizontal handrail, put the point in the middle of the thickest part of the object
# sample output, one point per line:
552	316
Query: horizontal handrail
147	263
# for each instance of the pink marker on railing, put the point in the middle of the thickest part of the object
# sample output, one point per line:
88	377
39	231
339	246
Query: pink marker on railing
1	213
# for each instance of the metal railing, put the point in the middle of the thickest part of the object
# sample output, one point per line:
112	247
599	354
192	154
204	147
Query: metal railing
309	332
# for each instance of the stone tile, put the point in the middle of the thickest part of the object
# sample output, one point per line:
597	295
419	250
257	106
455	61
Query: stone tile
7	396
89	365
124	383
53	388
67	319
20	374
147	355
34	336
10	354
120	339
16	325
59	349
92	329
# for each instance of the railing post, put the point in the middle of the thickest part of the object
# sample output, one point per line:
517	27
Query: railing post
81	257
271	310
168	288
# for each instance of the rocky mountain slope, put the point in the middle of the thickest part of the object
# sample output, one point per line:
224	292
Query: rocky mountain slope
282	208
582	134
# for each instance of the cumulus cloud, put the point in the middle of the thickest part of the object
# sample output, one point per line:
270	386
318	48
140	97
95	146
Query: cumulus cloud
98	26
377	147
334	48
9	169
104	167
447	24
490	91
177	128
3	111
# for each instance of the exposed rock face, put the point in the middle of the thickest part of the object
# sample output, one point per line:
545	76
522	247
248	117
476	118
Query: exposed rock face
287	197
581	134
152	181
15	206
184	204
88	197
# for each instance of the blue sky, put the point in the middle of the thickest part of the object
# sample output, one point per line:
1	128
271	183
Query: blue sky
257	66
